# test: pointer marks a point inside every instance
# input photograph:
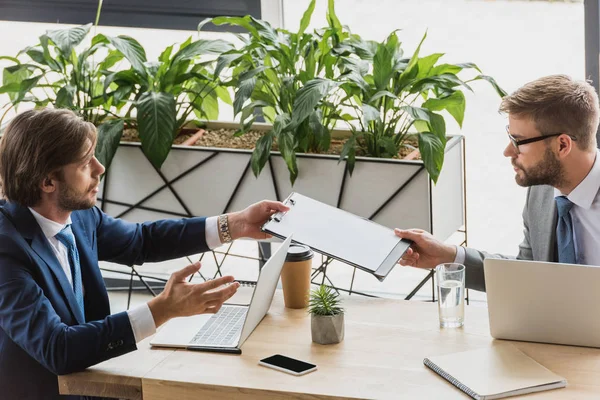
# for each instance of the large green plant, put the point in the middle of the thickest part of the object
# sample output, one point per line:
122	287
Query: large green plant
54	72
163	95
290	78
158	98
394	97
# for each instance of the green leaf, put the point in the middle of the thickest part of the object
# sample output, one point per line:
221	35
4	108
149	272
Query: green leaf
455	104
201	47
305	21
223	94
111	59
261	153
209	106
12	78
411	70
437	126
417	113
109	136
67	39
288	152
425	65
281	123
156	123
65	96
370	113
202	23
26	86
444	69
320	132
265	31
243	92
492	81
432	153
308	97
13	59
364	49
332	18
382	67
381	94
132	50
348	146
224	60
243	22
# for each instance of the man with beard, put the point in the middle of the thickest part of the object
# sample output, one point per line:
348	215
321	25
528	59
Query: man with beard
552	125
54	308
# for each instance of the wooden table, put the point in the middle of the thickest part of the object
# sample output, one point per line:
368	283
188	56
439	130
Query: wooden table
380	357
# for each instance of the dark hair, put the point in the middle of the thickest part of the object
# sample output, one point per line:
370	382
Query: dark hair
557	103
37	144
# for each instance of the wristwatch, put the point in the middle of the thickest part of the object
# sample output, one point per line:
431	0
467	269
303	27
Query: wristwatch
224	233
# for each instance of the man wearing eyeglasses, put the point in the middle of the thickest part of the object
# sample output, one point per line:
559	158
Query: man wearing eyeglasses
552	147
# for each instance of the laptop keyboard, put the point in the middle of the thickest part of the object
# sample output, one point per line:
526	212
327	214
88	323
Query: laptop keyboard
223	328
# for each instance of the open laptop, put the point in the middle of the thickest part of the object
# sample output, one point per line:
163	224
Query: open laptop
543	302
229	328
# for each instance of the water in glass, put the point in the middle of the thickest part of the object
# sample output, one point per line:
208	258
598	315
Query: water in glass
451	303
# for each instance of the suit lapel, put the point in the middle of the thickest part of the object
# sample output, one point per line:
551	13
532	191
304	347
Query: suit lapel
28	227
90	273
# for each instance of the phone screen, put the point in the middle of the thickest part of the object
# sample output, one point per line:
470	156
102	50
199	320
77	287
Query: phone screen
288	363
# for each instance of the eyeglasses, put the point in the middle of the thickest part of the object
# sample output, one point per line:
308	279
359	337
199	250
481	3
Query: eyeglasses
516	143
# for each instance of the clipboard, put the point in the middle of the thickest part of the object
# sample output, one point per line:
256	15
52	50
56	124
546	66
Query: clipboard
339	234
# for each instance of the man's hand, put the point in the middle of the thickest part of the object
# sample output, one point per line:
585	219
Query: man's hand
247	223
426	251
181	298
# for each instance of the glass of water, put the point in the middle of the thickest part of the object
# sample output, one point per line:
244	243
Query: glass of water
451	294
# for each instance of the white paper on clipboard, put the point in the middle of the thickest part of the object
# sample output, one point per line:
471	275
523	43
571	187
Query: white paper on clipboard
339	234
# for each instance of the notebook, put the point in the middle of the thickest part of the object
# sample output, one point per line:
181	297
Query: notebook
339	234
494	372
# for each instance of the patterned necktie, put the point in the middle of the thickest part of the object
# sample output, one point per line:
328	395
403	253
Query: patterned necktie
66	237
564	231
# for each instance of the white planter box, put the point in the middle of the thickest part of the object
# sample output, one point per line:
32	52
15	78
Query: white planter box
197	181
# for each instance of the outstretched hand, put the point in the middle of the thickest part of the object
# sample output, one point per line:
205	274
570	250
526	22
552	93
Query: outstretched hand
247	223
181	298
426	251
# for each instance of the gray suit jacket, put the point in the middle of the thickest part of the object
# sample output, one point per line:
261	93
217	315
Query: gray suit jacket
539	243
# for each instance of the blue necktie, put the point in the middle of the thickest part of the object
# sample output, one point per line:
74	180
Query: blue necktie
564	231
66	237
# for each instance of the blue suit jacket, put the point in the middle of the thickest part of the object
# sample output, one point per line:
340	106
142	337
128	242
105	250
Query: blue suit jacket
41	336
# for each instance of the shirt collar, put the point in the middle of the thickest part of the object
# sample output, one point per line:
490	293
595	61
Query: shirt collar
49	227
585	193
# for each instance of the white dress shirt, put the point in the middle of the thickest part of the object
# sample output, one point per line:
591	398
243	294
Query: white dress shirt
140	317
585	215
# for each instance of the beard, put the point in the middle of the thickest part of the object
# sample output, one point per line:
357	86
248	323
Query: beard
549	171
70	199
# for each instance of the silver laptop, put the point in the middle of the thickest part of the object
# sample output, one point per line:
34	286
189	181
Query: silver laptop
543	302
229	328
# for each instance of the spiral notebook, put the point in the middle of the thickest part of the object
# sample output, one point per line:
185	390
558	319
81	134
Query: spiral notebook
494	372
339	234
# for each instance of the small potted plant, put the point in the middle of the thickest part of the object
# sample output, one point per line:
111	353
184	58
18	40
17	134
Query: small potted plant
327	317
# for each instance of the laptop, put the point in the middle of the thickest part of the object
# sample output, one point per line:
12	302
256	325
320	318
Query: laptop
543	302
227	330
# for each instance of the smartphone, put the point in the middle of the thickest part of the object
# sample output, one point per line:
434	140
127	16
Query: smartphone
287	364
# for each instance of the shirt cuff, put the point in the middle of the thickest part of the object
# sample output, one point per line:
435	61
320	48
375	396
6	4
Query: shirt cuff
461	254
142	322
211	231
